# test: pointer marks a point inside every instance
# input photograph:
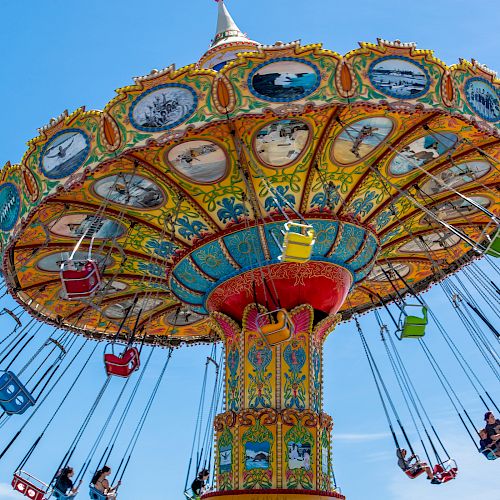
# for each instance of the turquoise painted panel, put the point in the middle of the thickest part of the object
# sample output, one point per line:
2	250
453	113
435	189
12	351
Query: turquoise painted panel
326	232
185	295
368	252
245	247
212	260
352	239
274	229
188	275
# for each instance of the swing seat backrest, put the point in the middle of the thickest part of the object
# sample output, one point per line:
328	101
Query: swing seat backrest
96	494
124	365
414	326
445	472
14	397
27	488
275	333
80	278
449	475
494	247
297	246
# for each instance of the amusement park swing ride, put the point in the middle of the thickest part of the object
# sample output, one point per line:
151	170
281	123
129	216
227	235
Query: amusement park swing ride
256	199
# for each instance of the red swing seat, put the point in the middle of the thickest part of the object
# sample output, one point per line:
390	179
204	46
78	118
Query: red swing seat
123	365
29	486
80	278
413	473
446	473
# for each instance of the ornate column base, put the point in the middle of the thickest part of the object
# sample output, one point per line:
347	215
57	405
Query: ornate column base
274	495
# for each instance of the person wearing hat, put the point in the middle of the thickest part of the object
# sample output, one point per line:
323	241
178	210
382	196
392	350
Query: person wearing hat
198	485
492	426
413	467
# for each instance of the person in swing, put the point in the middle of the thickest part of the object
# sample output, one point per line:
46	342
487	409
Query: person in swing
101	483
199	484
489	444
64	484
492	426
414	467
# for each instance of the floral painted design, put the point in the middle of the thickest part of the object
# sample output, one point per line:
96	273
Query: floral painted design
153	269
259	388
190	229
230	210
316	382
233	363
362	206
164	249
295	390
276	201
383	219
327	199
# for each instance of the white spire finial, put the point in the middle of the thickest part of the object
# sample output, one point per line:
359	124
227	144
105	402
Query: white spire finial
227	29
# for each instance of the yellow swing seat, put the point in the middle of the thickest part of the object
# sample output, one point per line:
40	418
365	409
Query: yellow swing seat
279	330
298	242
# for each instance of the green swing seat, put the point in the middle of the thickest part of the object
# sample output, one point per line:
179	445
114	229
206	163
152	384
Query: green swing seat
494	247
413	327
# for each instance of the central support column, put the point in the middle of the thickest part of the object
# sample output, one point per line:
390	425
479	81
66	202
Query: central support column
274	435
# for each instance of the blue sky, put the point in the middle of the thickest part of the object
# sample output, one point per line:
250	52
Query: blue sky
64	54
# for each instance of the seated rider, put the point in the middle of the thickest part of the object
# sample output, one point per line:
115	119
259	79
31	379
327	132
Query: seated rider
492	425
415	468
199	484
101	483
488	444
64	484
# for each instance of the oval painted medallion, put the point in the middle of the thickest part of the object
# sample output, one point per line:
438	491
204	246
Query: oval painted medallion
281	142
483	99
130	190
358	140
64	154
119	310
283	80
76	225
10	204
440	240
421	152
202	162
399	77
456	176
52	262
163	107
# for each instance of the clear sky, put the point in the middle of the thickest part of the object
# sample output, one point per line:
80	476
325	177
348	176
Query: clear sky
62	54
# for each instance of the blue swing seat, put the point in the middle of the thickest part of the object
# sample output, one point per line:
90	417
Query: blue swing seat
489	453
61	496
14	397
96	494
